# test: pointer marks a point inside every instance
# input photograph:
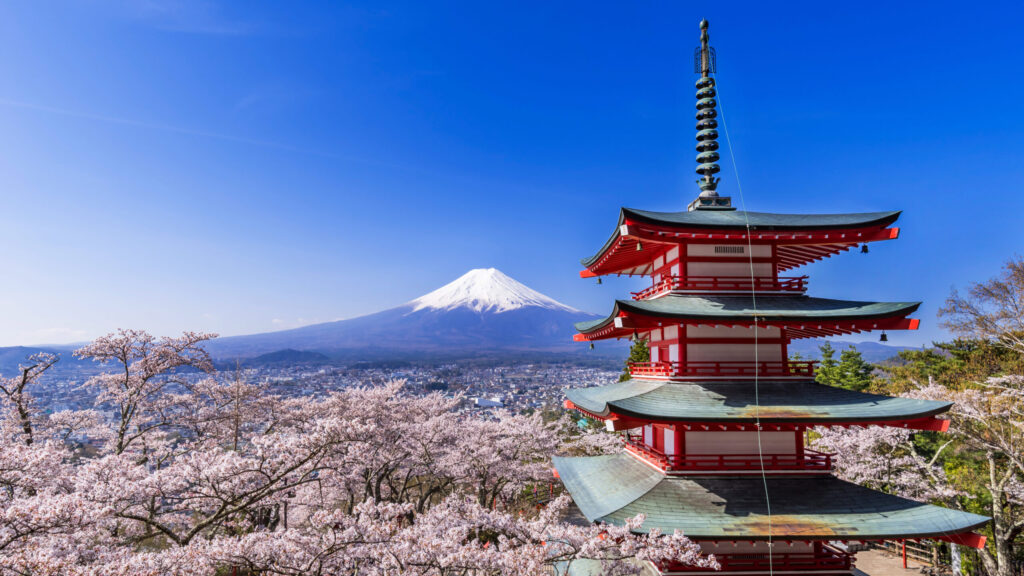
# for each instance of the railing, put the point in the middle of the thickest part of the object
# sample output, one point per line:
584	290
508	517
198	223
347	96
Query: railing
738	369
920	551
723	284
809	460
828	558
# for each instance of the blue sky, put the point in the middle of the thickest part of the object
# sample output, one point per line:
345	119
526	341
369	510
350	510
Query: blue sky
246	167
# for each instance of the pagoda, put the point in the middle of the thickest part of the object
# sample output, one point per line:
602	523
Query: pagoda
715	423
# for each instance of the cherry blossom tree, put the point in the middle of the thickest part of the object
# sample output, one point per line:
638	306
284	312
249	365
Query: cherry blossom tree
992	310
988	417
16	395
144	369
988	412
202	474
885	459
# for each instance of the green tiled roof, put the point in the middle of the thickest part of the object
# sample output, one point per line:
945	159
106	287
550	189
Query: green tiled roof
737	220
792	401
723	508
771	308
761	220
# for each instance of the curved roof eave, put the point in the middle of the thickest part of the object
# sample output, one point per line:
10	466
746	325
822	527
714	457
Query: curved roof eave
719	219
790	402
769	309
617	487
726	220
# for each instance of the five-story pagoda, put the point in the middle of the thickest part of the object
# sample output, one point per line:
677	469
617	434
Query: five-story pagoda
715	422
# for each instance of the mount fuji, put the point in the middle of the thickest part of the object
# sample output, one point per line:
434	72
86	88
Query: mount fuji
482	310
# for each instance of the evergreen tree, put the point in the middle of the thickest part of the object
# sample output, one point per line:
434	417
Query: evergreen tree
854	371
828	368
851	371
638	352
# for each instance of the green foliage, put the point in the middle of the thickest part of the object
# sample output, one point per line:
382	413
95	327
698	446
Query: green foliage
828	368
638	352
957	364
851	371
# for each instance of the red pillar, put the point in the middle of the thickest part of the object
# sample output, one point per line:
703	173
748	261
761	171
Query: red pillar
904	554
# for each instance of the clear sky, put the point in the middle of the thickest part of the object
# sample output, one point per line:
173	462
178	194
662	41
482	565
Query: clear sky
178	164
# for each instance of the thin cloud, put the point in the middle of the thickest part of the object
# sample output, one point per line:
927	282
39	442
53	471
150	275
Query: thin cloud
188	16
192	132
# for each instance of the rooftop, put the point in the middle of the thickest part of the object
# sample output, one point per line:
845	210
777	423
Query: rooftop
784	310
800	402
759	221
617	487
801	238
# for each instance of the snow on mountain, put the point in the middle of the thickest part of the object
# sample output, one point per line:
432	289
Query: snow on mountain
486	290
482	310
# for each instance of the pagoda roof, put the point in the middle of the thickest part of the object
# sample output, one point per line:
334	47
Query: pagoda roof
795	402
617	487
801	238
762	221
795	311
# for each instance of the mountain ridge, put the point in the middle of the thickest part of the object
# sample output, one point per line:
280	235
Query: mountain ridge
484	309
486	290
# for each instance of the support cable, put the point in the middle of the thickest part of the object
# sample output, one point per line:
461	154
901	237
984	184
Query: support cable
753	299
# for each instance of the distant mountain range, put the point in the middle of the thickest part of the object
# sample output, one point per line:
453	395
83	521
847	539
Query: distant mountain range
482	315
483	310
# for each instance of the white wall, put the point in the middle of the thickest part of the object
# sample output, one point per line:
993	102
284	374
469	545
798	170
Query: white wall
740	442
733	353
732	269
670	441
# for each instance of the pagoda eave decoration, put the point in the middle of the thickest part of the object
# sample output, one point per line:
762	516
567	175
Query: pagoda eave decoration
799	316
737	405
616	421
616	487
795	239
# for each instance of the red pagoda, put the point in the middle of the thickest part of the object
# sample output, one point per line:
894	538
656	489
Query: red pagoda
715	422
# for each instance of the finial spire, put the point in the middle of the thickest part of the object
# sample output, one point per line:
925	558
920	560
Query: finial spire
705	51
707	133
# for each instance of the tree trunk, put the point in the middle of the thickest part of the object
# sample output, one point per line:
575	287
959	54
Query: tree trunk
1001	564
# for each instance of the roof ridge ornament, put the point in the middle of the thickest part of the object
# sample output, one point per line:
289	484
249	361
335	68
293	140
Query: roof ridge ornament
707	133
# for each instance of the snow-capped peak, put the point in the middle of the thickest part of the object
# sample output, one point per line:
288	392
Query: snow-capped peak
486	290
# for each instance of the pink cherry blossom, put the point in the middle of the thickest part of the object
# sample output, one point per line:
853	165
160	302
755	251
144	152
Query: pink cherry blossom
193	477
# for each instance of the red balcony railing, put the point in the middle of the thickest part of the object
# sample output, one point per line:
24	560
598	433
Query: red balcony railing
828	558
722	284
809	460
716	369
